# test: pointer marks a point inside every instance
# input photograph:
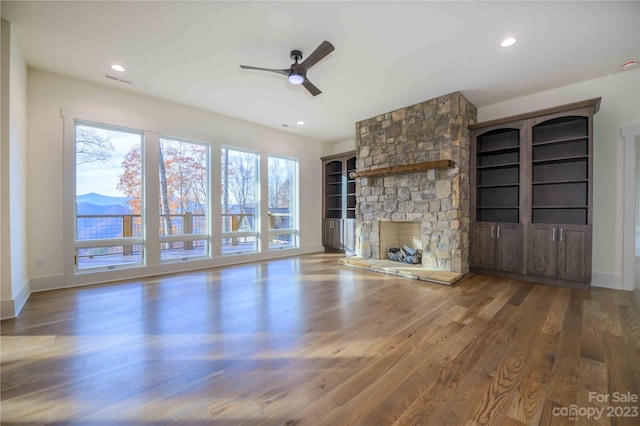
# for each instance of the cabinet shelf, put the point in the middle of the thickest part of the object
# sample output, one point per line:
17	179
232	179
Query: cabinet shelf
502	185
498	166
551	182
499	150
560	207
497	207
560	140
557	159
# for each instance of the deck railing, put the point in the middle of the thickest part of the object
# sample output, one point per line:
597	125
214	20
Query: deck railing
91	227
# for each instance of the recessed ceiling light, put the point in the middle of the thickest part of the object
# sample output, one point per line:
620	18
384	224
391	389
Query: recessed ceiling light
508	42
629	65
300	123
117	67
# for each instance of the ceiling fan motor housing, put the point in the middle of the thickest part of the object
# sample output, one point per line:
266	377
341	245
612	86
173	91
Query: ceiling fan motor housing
296	55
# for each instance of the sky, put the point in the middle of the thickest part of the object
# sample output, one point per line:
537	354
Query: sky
102	178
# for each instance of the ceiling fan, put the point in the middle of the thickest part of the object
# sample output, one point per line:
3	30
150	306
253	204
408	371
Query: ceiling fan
297	73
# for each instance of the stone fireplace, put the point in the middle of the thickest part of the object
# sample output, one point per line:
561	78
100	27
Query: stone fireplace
432	205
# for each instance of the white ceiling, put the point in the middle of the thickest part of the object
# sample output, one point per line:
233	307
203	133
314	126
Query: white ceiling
388	54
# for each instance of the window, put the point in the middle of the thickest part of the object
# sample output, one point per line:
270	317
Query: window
108	189
147	201
240	212
184	185
282	190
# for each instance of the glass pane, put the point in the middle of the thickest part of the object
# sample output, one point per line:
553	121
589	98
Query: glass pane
238	245
183	196
239	176
282	241
108	192
183	250
108	257
282	193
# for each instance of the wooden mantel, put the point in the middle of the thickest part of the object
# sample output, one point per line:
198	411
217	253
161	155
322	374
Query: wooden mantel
409	168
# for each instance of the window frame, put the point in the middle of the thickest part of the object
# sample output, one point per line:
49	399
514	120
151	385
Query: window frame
257	227
152	265
104	242
207	236
293	230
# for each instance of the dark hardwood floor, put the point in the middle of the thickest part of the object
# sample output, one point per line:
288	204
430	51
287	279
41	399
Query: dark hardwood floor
305	341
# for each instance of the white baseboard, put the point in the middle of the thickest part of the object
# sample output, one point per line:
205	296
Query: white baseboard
7	309
603	280
52	282
11	308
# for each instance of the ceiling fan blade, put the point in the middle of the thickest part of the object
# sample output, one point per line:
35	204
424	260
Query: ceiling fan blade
283	72
321	51
311	88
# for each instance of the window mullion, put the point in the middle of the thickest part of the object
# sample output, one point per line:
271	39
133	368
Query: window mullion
215	179
263	184
151	195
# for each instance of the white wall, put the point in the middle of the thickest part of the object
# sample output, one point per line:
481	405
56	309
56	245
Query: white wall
339	148
48	93
14	285
620	107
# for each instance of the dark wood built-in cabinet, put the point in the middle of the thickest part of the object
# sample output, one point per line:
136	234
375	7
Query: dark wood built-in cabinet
560	251
531	195
497	246
339	202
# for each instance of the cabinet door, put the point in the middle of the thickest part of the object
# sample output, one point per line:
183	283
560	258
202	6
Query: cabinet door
333	234
509	247
543	250
483	247
349	237
574	252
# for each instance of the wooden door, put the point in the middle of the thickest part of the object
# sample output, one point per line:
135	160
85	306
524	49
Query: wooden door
574	252
543	250
483	245
509	247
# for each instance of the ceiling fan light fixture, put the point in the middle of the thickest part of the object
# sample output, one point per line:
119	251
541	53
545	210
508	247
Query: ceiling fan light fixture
295	78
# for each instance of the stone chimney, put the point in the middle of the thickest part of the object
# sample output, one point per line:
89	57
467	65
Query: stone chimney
436	199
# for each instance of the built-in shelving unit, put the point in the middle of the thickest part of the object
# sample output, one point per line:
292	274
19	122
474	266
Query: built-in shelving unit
531	202
498	176
351	188
339	202
560	171
333	189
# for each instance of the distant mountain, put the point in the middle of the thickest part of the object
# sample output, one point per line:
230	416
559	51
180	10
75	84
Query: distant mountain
101	200
93	209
